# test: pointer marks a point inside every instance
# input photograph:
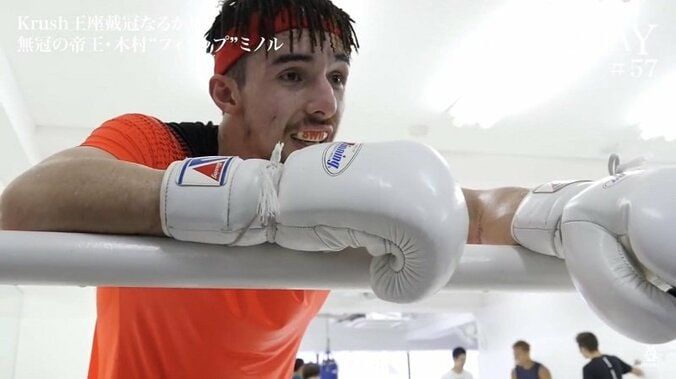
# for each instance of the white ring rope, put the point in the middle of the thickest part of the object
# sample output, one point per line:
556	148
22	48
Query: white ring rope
44	258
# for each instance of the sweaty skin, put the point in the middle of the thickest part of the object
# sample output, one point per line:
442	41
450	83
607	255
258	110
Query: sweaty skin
491	213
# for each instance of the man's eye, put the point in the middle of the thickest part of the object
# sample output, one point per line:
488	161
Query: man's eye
291	76
337	78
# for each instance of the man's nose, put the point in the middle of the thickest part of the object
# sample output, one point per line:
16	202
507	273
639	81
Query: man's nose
322	99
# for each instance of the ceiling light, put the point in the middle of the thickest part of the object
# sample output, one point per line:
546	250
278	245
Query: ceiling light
654	112
524	54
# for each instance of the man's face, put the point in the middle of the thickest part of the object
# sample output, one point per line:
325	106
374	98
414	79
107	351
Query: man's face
293	97
460	360
520	356
584	352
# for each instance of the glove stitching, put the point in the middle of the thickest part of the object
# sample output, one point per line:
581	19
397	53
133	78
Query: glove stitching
543	229
232	175
619	249
165	214
350	231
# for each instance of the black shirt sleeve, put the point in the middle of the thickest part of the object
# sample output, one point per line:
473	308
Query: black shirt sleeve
197	138
623	365
587	372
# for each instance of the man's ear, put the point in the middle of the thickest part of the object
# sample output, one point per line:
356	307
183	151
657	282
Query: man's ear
226	93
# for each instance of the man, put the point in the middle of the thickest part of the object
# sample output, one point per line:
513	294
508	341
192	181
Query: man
114	183
298	369
458	371
601	366
526	368
311	371
111	184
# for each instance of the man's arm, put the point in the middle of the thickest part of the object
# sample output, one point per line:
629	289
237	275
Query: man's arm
513	374
626	368
587	373
84	189
491	213
543	373
637	371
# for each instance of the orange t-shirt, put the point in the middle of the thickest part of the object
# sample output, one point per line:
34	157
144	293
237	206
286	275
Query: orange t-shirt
190	333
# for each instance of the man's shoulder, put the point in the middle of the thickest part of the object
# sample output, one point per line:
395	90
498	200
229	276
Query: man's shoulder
199	138
617	361
196	138
611	358
193	124
147	140
590	364
135	120
148	121
133	126
452	375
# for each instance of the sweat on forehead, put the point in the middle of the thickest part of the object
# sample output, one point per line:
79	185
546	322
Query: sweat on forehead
245	25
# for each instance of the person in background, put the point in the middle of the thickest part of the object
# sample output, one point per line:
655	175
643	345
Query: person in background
298	369
458	371
601	366
311	371
526	368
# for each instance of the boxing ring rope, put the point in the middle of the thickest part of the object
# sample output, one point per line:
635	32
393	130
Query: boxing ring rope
48	258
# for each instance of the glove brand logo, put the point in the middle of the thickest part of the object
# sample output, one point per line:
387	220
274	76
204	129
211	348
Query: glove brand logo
212	170
616	179
207	171
338	156
552	187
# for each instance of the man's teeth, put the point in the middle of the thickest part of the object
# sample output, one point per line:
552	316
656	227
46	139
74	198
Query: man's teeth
312	136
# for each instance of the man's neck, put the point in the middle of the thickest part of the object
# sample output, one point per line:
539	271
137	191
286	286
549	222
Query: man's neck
232	141
595	354
457	369
528	364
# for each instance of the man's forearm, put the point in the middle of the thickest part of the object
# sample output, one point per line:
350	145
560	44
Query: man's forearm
491	213
103	195
96	195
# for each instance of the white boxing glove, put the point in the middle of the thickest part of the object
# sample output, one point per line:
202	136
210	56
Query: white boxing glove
614	235
537	221
617	234
396	199
218	200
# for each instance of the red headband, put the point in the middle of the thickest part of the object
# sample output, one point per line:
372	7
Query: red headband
231	50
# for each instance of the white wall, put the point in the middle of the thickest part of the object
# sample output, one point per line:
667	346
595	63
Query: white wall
10	315
550	322
46	332
16	125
